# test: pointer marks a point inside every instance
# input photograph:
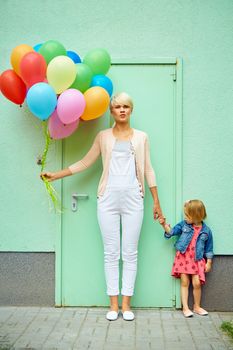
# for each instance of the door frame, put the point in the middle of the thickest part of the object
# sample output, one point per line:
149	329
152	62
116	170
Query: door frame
178	156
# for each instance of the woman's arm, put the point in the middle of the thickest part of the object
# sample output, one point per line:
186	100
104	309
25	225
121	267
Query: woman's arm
89	158
79	166
151	180
148	169
157	211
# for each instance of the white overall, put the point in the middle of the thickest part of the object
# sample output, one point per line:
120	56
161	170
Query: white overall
122	203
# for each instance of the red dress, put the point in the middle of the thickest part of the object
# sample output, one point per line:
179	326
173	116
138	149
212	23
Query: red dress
185	263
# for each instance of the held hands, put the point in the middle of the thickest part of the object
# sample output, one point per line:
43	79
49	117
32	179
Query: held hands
157	213
167	227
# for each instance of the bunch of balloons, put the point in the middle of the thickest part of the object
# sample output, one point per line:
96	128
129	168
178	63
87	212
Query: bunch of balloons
57	85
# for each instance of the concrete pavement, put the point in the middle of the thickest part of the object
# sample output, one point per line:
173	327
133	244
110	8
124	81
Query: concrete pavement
87	328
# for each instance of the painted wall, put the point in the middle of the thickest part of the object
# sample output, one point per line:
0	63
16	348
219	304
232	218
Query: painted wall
200	32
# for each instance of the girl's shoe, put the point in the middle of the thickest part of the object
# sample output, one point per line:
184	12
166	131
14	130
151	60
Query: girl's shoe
201	312
112	315
128	315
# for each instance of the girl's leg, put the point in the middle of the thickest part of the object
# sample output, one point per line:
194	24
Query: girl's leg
184	291
197	296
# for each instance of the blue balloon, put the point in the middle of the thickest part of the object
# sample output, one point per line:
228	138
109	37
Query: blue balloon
41	100
37	47
104	82
74	56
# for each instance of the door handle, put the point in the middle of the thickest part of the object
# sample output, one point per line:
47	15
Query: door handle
75	198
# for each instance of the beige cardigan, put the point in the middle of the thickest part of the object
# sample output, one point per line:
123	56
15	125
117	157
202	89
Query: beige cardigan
103	144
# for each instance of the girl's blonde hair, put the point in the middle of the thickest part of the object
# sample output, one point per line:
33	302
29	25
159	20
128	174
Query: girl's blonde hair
195	209
121	98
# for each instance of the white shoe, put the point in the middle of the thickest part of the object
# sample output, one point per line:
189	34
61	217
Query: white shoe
128	315
112	315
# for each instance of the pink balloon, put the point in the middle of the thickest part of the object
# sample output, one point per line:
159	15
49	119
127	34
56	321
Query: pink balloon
58	130
70	105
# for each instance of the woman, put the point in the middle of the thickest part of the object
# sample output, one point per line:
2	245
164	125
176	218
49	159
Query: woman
126	160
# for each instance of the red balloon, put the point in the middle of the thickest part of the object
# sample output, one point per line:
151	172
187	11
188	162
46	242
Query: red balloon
13	87
33	68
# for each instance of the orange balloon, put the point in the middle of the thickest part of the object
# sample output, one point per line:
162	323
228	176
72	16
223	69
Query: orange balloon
17	54
97	102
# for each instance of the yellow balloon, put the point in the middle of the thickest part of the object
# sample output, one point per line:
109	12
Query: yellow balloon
97	102
61	73
17	54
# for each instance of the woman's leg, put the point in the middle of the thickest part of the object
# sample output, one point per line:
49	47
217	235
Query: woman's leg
197	296
109	222
114	306
126	303
132	217
184	291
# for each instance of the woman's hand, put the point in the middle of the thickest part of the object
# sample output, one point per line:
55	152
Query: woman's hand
55	176
48	176
157	212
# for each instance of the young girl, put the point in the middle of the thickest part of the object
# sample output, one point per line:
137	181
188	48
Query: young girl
195	244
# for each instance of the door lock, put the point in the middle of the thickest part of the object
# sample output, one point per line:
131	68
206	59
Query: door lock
75	198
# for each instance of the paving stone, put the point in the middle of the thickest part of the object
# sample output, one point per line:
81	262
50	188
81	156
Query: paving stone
87	328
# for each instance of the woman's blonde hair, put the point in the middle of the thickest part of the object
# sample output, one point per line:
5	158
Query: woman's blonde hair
195	209
121	98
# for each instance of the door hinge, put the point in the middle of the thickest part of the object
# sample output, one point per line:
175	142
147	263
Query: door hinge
174	302
174	75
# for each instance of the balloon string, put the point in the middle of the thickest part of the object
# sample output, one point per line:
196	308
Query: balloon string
47	144
54	196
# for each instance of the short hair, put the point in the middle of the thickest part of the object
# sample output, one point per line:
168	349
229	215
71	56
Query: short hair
195	209
121	98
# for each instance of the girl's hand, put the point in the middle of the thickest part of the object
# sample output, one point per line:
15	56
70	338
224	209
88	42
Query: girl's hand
48	176
208	266
167	227
162	221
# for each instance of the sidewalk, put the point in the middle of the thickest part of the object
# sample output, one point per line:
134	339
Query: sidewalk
87	328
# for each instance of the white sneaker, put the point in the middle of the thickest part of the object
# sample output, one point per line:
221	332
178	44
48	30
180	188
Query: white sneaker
128	315
112	315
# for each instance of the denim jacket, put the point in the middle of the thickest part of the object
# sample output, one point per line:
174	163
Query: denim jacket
204	244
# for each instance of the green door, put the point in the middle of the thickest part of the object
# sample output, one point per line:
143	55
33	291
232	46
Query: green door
152	87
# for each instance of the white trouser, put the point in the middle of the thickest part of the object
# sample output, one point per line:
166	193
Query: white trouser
126	206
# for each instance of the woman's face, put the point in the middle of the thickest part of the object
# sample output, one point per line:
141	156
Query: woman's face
121	113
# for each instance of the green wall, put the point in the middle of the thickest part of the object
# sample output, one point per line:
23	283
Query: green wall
200	32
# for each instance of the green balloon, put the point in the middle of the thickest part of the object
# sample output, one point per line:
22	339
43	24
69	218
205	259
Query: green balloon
98	60
51	49
83	78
